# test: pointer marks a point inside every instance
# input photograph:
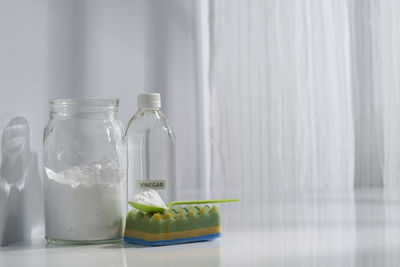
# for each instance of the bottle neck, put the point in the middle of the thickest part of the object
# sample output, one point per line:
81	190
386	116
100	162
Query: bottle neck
149	109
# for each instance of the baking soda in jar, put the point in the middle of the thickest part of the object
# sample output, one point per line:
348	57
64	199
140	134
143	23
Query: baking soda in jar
85	203
84	162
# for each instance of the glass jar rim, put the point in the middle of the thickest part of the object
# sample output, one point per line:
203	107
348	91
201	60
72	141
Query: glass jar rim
60	104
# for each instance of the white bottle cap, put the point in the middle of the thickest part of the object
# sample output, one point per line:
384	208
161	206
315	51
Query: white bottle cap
150	100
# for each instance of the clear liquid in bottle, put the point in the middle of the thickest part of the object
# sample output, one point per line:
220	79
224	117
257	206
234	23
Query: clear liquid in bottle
151	150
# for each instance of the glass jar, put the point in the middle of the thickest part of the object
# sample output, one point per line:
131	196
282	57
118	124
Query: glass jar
84	160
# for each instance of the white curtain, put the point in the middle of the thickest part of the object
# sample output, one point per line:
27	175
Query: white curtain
304	94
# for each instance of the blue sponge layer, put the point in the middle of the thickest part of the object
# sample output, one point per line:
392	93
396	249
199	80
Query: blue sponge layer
147	243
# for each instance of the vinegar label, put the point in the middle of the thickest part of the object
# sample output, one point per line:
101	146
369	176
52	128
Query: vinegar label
150	184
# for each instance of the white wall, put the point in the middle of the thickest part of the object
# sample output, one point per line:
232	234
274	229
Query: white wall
57	49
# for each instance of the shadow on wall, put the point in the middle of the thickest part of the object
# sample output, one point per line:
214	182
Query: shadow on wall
21	194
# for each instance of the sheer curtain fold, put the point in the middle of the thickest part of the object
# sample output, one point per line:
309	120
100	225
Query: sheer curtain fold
304	94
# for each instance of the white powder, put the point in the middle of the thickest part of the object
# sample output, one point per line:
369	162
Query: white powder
150	197
85	202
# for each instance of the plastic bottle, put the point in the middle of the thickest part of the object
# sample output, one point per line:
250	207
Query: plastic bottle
151	150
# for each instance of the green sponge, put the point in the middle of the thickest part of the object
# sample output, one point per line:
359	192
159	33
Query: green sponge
175	226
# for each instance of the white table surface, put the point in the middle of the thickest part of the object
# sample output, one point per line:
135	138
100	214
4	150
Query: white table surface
322	228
